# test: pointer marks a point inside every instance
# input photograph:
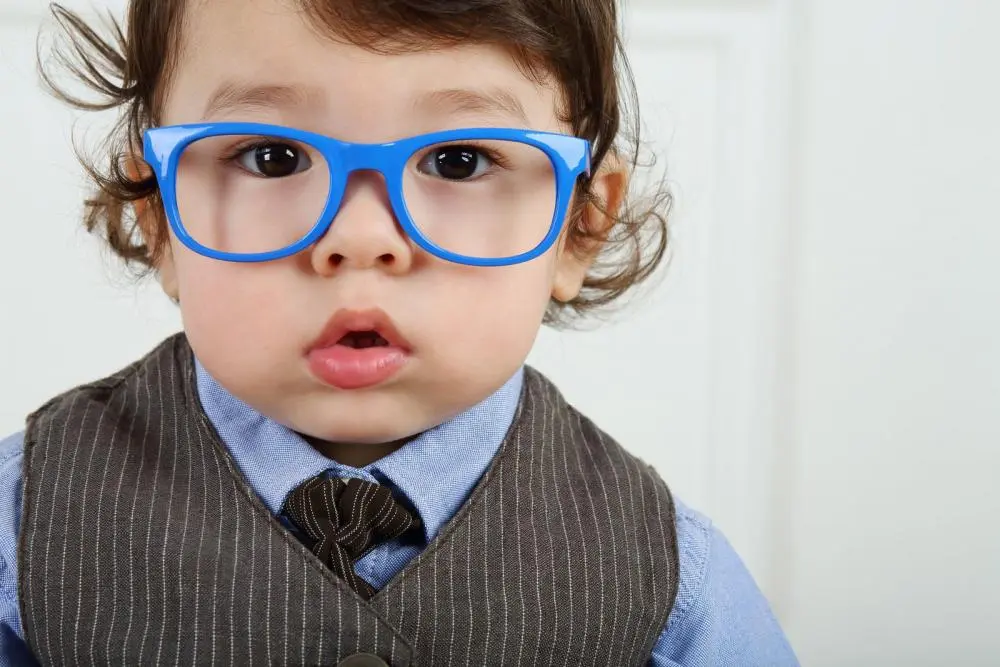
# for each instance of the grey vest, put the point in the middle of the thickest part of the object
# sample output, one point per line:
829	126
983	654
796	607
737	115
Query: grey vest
142	543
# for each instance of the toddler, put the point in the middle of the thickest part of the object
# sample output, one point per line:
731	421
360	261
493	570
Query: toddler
365	210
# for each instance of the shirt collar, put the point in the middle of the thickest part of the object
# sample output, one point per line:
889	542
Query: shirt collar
436	470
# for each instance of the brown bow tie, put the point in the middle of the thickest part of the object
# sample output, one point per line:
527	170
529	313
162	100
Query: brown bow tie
345	519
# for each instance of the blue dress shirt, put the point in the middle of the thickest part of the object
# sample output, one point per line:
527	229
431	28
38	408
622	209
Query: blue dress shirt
719	618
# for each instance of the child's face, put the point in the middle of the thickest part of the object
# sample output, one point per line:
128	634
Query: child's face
252	325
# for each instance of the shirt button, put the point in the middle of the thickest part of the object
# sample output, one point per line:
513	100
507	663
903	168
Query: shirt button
363	660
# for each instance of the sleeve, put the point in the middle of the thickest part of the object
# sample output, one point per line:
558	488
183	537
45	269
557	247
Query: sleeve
13	649
720	617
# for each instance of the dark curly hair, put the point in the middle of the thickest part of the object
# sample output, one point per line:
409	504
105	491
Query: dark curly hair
575	41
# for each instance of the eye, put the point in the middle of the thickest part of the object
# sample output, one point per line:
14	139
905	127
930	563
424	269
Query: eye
455	163
274	160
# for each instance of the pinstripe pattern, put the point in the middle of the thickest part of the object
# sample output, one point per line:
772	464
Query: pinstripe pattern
178	529
590	580
185	565
344	519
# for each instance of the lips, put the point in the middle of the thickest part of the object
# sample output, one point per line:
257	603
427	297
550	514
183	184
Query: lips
354	324
358	349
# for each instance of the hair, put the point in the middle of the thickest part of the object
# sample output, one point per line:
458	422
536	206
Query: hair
575	42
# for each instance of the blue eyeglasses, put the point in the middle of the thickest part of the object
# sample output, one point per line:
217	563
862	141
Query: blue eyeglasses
248	192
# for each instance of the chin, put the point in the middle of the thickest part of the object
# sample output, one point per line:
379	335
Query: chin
368	420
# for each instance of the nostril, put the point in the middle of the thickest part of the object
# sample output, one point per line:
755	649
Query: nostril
336	261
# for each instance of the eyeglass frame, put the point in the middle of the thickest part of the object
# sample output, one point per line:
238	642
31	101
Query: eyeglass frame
162	147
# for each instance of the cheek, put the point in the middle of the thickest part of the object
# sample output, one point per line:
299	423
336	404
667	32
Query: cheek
494	312
246	322
230	308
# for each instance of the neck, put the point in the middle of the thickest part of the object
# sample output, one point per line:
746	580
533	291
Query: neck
355	455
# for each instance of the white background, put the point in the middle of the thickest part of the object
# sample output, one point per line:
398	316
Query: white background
820	368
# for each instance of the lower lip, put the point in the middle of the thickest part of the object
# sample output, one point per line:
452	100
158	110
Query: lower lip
349	368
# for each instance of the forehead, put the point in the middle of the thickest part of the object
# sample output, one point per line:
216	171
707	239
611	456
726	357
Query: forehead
262	60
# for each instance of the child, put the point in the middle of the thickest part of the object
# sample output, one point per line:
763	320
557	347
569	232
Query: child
365	211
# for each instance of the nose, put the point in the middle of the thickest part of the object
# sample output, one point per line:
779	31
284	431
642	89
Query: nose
364	233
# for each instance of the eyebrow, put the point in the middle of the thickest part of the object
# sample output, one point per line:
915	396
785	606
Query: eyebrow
458	100
236	96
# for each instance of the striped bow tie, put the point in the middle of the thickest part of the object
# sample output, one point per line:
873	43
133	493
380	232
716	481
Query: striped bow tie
343	520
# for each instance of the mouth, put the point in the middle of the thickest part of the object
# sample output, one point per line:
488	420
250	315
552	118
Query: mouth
359	330
360	340
358	349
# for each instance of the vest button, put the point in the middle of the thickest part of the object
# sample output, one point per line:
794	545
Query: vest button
363	660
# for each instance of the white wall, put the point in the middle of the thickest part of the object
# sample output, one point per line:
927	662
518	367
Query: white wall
820	371
896	381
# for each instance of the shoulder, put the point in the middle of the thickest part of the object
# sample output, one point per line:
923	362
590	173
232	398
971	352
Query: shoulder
11	460
11	450
104	391
598	455
720	616
695	533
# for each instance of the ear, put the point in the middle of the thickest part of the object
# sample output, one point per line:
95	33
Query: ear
149	221
610	187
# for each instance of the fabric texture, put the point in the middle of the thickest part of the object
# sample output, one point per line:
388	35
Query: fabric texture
340	520
590	580
720	617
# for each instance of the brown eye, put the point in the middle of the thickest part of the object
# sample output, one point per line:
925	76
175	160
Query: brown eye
274	160
455	163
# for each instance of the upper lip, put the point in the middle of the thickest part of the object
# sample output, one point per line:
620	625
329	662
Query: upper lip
346	321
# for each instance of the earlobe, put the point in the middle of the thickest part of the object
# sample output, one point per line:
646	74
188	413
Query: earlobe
609	188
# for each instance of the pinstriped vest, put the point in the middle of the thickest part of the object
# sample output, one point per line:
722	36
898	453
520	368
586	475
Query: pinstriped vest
142	543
